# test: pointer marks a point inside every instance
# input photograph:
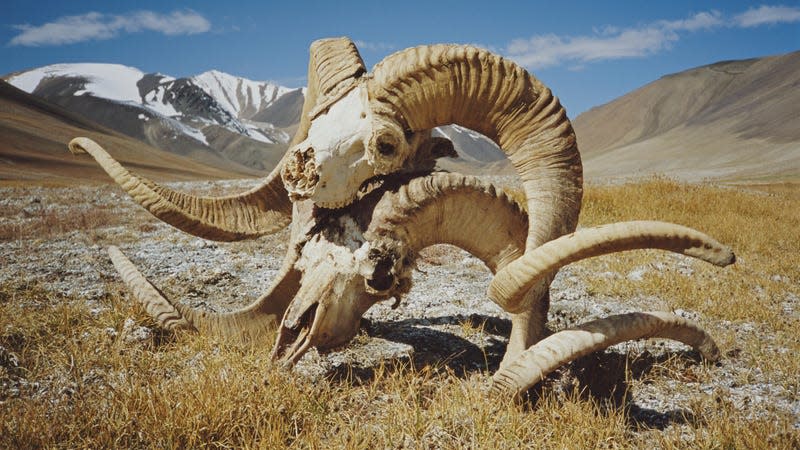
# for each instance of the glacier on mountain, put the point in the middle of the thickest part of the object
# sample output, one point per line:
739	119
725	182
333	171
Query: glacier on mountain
211	98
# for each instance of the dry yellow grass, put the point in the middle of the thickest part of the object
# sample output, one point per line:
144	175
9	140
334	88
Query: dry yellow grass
761	288
44	223
86	387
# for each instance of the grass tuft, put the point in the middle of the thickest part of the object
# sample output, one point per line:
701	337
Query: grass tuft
74	376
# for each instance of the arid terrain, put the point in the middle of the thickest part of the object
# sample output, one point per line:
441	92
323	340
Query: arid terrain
81	365
732	120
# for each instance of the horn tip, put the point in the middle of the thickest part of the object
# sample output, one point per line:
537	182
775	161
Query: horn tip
720	256
76	146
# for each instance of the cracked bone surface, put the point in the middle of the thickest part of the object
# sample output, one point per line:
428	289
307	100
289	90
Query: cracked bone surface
356	190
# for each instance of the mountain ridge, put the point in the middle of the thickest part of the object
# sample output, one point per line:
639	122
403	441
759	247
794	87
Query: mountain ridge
33	146
730	120
174	114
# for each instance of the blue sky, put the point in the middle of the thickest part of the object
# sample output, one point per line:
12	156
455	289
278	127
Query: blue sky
588	52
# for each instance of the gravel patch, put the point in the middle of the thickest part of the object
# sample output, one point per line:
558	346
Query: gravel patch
445	321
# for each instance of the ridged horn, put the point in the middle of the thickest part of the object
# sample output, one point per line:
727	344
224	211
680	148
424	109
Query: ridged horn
444	208
424	87
334	69
527	271
153	300
568	345
451	208
263	210
247	324
333	66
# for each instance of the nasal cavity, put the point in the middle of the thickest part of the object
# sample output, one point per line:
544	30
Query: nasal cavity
300	172
382	277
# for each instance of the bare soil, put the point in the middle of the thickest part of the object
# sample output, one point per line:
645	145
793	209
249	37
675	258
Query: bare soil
445	322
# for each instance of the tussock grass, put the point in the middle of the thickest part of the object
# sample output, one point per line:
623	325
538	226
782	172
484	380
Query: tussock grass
42	223
79	380
45	211
761	288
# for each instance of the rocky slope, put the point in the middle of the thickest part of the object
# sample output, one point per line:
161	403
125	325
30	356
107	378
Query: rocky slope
33	146
730	120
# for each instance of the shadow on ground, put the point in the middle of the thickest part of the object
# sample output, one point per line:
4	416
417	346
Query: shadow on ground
605	377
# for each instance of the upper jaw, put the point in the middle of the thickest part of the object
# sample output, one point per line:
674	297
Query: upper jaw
325	312
319	327
295	336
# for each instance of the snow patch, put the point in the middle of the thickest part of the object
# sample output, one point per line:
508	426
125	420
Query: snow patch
155	101
193	133
256	133
111	81
461	130
239	96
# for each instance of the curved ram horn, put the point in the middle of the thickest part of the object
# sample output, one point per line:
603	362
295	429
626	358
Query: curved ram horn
452	209
334	69
526	272
425	87
153	300
444	208
265	209
568	345
248	323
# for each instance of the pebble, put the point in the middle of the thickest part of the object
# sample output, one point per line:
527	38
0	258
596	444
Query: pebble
428	326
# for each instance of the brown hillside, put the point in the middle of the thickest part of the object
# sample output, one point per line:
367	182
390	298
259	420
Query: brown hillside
33	147
733	120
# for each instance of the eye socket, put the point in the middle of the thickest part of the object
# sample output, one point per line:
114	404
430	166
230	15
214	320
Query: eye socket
386	149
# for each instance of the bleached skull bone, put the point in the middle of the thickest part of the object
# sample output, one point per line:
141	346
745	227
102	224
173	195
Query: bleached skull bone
358	126
346	146
343	276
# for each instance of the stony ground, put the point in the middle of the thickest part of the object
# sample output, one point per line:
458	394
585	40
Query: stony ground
446	317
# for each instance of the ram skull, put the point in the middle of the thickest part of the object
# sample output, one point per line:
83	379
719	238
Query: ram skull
356	188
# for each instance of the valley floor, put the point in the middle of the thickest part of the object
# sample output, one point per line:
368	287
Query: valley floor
81	365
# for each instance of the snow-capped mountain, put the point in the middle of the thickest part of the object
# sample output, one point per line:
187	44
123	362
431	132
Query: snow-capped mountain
210	111
239	96
212	98
248	122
